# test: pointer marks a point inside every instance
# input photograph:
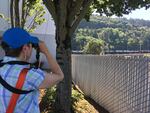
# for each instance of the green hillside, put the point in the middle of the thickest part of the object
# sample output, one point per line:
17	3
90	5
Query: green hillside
112	34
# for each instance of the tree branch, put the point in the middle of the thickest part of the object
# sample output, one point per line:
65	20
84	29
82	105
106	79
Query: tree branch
61	6
76	22
33	21
12	12
74	10
51	8
17	14
26	13
23	13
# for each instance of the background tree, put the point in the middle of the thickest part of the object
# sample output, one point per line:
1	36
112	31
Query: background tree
94	46
117	33
27	14
67	14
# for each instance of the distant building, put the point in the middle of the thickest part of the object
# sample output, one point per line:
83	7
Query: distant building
45	32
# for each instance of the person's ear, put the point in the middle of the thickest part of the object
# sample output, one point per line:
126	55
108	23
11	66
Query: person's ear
25	52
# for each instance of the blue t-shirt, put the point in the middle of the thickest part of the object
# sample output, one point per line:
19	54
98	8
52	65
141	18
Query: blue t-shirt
27	103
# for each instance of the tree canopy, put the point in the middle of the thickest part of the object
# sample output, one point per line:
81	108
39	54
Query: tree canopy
26	14
119	7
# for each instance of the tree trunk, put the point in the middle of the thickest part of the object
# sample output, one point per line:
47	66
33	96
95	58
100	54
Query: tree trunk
67	14
17	13
63	92
23	20
12	13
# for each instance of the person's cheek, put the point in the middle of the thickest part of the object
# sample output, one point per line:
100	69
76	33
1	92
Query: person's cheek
31	52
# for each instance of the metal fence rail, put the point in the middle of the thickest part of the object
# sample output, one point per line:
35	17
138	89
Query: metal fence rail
121	84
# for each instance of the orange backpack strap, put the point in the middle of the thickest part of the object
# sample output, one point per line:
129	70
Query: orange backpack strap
19	85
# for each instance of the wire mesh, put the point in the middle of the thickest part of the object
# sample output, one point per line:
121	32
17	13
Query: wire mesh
121	84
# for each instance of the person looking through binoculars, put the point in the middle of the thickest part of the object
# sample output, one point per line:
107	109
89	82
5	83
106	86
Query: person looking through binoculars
20	81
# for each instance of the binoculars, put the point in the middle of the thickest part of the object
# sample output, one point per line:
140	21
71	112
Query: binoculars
35	46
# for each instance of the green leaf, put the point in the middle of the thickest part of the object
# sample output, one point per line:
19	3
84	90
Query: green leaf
2	15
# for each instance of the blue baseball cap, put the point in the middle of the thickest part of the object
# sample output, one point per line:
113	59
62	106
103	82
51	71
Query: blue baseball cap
17	37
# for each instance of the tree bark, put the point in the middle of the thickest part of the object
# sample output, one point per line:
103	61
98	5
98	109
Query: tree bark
12	13
64	13
23	20
17	14
63	92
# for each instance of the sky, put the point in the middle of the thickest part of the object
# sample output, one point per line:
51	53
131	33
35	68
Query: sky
139	14
136	14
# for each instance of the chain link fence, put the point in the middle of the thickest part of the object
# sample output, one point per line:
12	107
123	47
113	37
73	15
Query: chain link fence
121	84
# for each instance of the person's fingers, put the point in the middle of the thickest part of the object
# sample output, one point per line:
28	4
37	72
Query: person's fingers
43	47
